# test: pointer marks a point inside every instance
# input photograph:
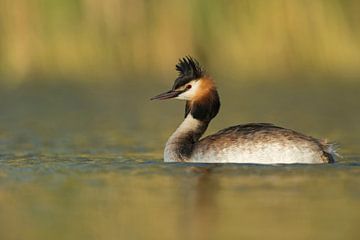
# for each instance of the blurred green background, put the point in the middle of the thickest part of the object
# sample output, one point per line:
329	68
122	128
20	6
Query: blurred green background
90	40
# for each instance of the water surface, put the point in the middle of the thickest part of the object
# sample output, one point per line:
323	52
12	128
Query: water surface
85	162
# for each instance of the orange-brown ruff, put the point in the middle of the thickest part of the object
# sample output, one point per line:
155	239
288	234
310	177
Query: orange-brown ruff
261	143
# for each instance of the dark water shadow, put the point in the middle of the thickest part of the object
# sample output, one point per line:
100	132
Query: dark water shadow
199	203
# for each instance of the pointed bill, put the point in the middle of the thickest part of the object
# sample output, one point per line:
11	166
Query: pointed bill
167	95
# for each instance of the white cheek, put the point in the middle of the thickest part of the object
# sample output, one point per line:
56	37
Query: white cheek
189	94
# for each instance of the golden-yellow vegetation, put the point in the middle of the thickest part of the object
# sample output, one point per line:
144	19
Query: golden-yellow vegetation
118	37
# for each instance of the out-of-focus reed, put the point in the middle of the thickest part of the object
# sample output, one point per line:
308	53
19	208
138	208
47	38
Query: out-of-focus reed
123	37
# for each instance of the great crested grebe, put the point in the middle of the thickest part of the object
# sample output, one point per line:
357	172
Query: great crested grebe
261	143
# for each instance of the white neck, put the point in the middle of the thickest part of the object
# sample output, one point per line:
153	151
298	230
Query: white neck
180	144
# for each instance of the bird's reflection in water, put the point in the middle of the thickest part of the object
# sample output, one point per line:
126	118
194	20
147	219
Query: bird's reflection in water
200	211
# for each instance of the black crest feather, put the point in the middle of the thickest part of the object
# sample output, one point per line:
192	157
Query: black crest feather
189	69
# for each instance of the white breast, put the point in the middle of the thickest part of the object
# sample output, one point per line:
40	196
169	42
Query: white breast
171	151
272	153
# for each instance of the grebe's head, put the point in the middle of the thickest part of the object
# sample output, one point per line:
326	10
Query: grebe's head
194	86
187	84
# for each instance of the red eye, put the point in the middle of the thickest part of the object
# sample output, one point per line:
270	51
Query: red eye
188	86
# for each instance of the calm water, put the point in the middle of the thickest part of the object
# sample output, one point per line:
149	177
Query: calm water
82	162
